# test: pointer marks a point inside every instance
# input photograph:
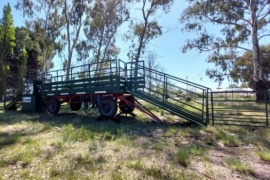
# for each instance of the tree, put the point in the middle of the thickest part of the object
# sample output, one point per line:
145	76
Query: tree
153	79
61	20
242	67
7	44
241	22
107	17
28	51
149	28
43	20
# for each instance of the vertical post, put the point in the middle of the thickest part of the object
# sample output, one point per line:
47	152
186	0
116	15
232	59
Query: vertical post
187	82
164	88
207	107
266	107
5	97
131	76
212	108
71	73
204	98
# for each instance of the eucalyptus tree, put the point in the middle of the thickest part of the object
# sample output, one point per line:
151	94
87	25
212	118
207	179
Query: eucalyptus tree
7	44
42	18
148	27
107	16
242	67
28	46
62	20
242	24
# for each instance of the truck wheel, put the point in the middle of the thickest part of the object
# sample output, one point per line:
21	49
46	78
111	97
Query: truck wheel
75	106
53	106
107	107
126	108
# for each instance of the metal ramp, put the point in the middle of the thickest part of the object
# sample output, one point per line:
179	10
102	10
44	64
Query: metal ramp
178	96
15	103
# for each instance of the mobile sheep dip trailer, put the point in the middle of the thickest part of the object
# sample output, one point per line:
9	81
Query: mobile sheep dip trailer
118	84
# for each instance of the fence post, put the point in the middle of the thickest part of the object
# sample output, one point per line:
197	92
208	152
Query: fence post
212	108
207	107
266	107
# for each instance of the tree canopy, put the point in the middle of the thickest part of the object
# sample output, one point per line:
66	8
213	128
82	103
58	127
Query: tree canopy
99	44
242	67
148	28
242	23
7	44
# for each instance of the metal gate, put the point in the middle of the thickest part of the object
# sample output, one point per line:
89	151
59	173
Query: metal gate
240	108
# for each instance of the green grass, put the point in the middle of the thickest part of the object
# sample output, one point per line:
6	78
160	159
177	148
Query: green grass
227	139
6	139
183	157
71	134
135	164
75	146
238	165
159	146
264	155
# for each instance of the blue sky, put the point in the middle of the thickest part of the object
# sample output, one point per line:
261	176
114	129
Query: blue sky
191	65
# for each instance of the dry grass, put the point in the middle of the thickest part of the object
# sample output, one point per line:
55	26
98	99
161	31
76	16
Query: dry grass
75	146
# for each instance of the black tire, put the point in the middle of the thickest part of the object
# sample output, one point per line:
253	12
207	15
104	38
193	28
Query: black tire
75	106
53	106
107	107
126	108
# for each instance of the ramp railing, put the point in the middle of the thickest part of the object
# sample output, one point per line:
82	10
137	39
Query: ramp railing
178	96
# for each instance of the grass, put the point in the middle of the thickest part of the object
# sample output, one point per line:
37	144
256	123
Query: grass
75	146
184	155
227	139
238	165
6	139
264	155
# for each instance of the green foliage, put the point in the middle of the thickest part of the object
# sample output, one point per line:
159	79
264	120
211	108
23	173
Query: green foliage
107	17
147	29
242	67
235	20
7	44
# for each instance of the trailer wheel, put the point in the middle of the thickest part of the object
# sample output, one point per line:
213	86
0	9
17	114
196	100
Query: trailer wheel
53	106
75	106
126	108
107	107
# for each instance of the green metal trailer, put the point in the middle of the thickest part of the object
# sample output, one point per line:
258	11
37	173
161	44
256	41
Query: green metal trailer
117	84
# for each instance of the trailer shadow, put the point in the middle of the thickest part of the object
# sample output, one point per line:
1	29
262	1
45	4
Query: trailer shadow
91	121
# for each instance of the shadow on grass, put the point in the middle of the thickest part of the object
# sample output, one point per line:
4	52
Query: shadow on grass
8	139
87	120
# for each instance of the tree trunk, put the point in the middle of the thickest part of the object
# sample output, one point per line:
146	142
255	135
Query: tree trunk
259	83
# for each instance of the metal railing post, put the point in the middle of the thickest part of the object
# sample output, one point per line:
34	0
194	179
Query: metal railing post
164	88
212	109
266	97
